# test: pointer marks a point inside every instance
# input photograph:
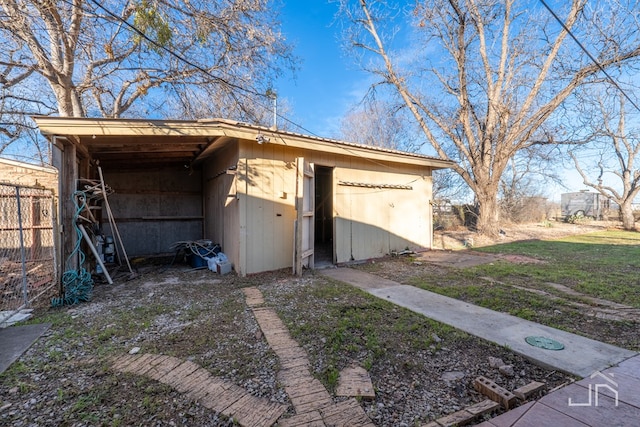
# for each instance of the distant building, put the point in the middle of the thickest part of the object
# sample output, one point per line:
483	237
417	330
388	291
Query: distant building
28	175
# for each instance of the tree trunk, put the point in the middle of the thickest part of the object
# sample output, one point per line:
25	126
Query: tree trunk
488	221
626	212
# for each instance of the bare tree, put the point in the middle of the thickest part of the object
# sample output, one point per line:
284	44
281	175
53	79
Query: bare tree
108	58
380	124
484	76
617	150
199	102
522	196
386	124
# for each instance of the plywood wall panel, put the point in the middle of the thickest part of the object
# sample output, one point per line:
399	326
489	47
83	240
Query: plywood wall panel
142	198
221	205
269	203
381	220
368	222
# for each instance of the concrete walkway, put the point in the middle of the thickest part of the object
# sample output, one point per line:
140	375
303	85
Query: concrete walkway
581	356
598	363
15	340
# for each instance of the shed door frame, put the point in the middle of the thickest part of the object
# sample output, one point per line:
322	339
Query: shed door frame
324	228
305	210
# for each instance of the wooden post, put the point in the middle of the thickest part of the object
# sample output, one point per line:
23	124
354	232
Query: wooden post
297	249
68	180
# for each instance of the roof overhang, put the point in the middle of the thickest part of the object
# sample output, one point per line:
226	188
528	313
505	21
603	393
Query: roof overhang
146	143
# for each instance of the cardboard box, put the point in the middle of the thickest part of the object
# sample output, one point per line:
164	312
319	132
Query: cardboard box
224	268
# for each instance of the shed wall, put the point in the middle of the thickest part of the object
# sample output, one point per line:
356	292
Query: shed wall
221	204
266	190
368	222
155	208
371	220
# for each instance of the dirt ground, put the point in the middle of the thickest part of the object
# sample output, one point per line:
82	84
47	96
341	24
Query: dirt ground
420	369
463	238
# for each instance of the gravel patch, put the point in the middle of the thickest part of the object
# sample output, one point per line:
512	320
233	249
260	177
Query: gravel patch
420	370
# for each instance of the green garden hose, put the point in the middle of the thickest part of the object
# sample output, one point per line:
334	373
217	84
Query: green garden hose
77	284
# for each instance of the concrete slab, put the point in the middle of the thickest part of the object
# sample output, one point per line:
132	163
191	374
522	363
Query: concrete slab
620	382
584	408
10	318
459	259
542	415
630	367
581	356
15	340
508	418
358	278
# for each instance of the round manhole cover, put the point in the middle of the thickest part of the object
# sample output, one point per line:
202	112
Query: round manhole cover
545	343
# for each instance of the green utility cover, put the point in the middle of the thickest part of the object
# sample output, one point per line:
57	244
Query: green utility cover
545	343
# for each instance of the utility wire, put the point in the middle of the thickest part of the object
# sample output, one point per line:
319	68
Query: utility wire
593	59
243	91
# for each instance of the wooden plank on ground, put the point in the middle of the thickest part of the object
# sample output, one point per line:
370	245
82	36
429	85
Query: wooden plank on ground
347	413
309	419
193	381
161	370
253	296
254	411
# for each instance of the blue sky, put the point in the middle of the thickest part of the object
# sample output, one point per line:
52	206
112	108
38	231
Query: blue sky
328	83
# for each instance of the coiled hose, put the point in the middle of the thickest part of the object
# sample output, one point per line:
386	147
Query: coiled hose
77	284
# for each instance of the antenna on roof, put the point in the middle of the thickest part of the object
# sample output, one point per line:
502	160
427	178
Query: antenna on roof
271	94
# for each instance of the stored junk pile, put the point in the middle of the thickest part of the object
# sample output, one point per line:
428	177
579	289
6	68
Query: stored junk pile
203	254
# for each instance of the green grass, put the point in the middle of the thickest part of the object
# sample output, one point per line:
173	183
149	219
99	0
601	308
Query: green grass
356	326
604	264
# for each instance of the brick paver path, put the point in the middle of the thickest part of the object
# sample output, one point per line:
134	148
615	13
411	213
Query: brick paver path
212	392
313	404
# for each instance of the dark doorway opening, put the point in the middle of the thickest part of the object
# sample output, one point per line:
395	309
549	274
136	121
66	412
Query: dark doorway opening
323	227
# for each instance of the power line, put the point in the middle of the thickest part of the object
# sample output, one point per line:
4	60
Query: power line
242	91
591	57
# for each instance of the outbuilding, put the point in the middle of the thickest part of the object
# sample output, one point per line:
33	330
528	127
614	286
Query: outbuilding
272	199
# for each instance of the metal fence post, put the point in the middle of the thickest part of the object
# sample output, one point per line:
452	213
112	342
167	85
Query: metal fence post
23	255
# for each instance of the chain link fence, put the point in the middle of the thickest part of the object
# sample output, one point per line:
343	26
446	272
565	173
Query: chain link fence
28	276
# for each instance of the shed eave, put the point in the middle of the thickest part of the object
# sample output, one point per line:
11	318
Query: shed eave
65	126
123	127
